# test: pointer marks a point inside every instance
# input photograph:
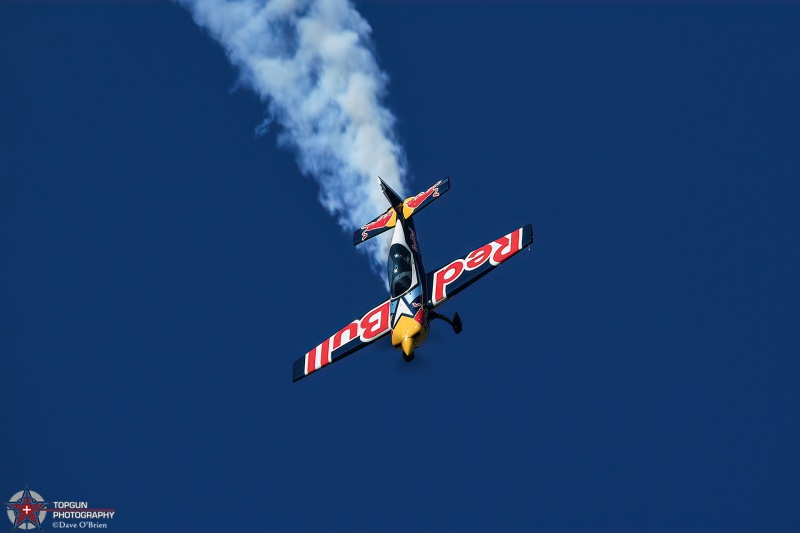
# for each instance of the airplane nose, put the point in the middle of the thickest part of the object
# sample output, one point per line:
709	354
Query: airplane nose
406	335
407	345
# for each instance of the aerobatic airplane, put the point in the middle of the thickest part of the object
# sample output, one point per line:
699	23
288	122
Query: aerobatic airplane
414	293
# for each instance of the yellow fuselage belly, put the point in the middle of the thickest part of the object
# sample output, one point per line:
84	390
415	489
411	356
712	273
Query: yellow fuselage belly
410	331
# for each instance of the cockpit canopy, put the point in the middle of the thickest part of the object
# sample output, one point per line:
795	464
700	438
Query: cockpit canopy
401	272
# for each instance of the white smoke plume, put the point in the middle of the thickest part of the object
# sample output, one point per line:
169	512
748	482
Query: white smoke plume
310	61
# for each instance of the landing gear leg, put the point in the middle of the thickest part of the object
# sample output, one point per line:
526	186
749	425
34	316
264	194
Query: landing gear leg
455	323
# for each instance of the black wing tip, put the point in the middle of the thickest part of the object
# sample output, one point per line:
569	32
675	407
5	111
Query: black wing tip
527	235
298	369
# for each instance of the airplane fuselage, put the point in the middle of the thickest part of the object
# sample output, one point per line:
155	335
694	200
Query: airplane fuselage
407	285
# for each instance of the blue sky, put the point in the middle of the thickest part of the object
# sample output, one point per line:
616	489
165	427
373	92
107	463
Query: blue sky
636	371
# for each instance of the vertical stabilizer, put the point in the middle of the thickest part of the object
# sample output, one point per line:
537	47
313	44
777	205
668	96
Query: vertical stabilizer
395	200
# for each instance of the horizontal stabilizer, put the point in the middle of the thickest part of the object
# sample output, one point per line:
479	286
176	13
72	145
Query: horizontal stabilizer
414	204
376	226
404	208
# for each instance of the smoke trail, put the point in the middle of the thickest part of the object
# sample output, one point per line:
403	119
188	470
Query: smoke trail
310	61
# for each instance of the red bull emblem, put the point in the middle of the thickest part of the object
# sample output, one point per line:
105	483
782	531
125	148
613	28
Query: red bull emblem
415	201
378	223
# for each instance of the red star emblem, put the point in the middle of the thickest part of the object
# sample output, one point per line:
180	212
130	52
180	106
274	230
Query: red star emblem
26	509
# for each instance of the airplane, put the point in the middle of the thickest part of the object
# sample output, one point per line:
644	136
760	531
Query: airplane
414	293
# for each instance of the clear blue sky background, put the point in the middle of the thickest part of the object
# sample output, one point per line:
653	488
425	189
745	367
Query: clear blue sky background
636	371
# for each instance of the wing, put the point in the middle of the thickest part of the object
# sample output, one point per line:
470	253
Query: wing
351	338
451	279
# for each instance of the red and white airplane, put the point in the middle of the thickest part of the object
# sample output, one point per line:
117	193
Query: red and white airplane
414	294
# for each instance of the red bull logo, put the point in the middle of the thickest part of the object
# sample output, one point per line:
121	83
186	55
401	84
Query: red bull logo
379	223
415	201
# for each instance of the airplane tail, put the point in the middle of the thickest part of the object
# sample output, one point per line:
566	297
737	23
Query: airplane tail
404	209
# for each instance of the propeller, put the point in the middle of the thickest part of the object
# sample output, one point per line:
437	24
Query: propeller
436	339
419	365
